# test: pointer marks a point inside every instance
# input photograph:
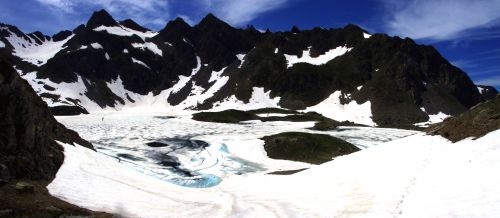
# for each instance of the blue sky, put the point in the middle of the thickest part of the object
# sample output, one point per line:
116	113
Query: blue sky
466	32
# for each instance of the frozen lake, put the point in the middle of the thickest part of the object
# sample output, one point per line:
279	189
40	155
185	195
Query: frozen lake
179	150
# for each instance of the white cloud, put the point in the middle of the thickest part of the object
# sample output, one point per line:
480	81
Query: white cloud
237	12
491	81
143	11
187	19
440	19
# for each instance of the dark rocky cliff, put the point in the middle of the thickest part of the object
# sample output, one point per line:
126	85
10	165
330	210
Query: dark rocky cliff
28	131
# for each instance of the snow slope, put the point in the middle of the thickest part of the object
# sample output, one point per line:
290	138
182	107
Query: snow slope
65	91
37	54
416	176
334	109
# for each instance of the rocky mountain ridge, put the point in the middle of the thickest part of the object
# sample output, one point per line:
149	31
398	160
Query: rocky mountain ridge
345	73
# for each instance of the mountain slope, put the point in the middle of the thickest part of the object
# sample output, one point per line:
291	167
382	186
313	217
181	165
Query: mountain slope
382	80
476	122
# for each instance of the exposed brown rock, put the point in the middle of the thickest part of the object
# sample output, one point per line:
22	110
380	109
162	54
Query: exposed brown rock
476	122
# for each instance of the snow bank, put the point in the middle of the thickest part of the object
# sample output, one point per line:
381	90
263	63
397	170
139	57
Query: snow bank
332	108
417	176
259	99
322	59
433	118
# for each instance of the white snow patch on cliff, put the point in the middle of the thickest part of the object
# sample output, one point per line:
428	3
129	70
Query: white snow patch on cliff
259	99
96	45
433	118
352	111
124	31
322	59
150	46
140	63
241	57
480	89
183	80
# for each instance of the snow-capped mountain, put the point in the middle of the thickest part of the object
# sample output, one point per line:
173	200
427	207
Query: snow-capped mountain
106	64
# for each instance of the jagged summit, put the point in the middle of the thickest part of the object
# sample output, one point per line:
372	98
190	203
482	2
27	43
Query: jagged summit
101	18
61	35
179	21
392	81
175	29
211	21
131	24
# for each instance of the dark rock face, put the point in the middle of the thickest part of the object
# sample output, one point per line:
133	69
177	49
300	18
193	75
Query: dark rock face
129	23
476	122
227	116
398	76
28	131
64	110
101	18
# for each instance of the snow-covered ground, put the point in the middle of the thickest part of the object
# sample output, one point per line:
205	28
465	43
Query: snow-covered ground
415	176
234	149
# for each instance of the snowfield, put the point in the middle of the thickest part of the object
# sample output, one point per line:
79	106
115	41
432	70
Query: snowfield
413	176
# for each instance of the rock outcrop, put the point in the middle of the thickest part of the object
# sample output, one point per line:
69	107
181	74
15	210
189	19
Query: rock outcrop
28	131
476	122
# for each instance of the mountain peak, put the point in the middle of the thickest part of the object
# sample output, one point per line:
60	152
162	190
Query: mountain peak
175	29
101	18
131	24
212	20
178	22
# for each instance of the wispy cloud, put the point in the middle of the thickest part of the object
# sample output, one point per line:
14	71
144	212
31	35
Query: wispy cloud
491	81
237	12
441	19
464	63
187	18
153	12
